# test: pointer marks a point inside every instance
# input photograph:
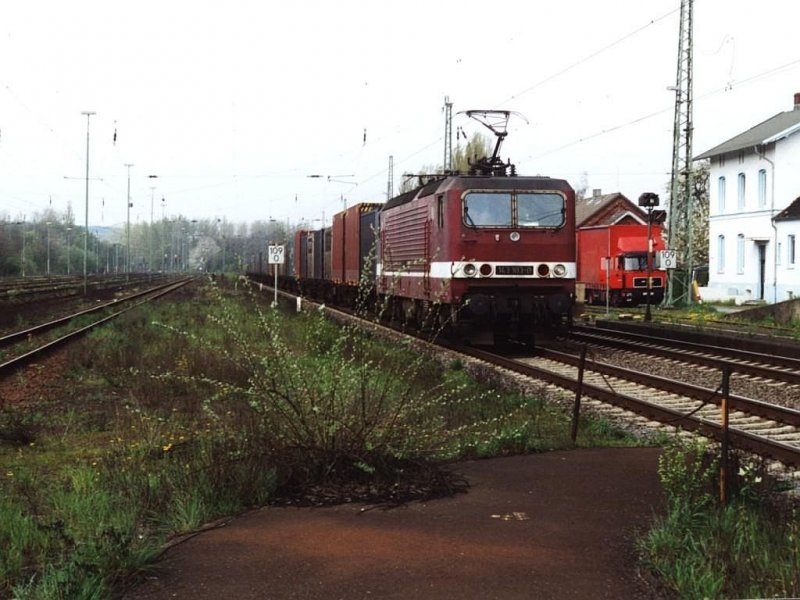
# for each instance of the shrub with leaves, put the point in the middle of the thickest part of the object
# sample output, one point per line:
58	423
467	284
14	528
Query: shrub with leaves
331	401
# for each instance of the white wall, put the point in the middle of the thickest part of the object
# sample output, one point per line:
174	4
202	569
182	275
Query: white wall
753	221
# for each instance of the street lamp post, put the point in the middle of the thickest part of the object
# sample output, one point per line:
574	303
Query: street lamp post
150	230
649	200
163	232
68	248
48	248
22	251
86	215
128	229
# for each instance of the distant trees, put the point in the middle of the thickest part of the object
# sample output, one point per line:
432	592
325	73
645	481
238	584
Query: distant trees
52	243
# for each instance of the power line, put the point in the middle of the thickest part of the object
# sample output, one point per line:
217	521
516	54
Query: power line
725	89
588	57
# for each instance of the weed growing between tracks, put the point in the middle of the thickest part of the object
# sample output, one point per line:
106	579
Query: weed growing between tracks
747	548
190	410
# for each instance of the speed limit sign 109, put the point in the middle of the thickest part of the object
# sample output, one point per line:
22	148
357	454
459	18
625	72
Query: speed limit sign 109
275	255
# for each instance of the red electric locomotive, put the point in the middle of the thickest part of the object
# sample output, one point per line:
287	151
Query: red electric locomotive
490	254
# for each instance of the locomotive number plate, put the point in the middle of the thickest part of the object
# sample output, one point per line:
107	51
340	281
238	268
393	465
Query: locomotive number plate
514	270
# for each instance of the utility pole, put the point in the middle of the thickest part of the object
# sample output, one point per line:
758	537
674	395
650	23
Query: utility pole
48	248
69	250
681	201
128	229
447	164
150	230
86	216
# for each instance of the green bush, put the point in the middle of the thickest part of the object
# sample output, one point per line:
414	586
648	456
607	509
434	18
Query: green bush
703	548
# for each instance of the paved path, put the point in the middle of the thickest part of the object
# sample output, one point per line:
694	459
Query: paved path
556	525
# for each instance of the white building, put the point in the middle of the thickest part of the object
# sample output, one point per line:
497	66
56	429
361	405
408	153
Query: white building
754	212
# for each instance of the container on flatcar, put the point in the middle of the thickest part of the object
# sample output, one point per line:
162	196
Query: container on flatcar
301	262
354	238
612	264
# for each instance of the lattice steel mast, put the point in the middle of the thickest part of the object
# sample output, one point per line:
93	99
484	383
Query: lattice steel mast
447	163
681	185
390	181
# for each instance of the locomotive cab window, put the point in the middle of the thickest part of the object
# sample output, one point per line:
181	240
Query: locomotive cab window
492	209
540	210
506	209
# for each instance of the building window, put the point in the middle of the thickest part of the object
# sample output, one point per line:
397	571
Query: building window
721	254
740	253
762	188
741	191
791	249
721	194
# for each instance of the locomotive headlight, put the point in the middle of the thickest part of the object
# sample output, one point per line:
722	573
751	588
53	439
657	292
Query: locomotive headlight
486	270
469	270
514	236
559	270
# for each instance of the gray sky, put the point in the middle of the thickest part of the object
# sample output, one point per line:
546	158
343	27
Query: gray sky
233	104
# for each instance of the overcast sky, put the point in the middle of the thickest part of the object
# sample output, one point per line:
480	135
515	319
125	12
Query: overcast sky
234	104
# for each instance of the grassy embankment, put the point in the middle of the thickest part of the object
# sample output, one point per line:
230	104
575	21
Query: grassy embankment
200	406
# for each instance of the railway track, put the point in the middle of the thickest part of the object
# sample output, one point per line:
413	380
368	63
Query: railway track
25	289
777	362
22	347
759	427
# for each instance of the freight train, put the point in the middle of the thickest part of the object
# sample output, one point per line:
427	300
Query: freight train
486	255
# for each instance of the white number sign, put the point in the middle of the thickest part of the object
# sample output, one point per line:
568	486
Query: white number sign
669	259
275	255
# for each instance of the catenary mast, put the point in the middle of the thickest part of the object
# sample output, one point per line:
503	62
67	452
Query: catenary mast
681	185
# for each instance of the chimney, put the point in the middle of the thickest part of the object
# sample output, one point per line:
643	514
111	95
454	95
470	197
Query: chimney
596	193
797	101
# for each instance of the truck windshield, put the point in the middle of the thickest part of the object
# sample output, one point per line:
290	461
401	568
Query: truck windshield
520	209
634	263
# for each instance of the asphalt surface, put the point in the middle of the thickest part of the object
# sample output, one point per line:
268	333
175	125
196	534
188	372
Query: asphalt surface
555	525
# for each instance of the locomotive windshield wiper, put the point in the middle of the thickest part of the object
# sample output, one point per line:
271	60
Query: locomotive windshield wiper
468	218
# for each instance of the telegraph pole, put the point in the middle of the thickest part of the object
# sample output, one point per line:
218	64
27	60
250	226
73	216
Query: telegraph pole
86	217
150	230
681	201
